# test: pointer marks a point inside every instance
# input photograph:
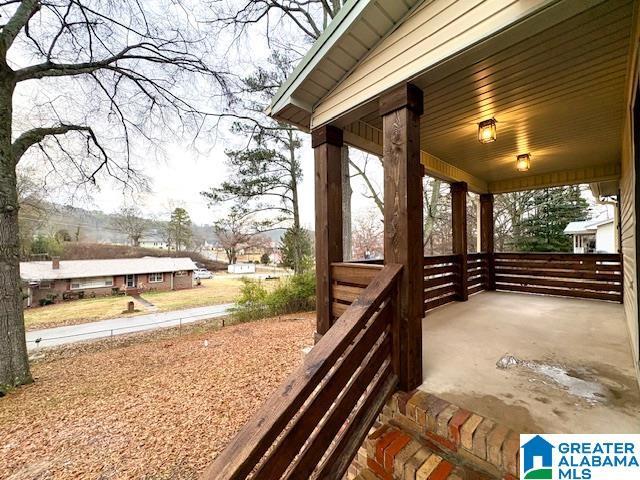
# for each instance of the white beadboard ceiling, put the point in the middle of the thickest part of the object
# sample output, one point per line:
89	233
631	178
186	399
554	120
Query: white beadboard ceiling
558	95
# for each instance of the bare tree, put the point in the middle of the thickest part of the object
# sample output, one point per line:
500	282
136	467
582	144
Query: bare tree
368	236
310	18
127	60
33	208
129	221
510	209
234	232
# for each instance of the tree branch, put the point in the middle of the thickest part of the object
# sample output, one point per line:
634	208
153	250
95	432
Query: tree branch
17	22
36	135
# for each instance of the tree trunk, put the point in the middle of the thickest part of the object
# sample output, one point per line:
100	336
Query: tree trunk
297	250
14	362
346	205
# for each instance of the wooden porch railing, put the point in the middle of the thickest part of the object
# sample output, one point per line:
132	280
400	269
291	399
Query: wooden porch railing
348	280
597	276
442	275
478	272
314	424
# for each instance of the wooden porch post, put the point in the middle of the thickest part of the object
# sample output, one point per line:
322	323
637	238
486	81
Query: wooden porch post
486	236
327	146
403	228
459	233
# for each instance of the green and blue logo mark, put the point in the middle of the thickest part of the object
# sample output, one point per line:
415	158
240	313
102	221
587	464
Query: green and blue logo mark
537	459
579	457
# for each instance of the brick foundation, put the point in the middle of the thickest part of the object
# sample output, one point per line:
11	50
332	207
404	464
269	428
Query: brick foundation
420	436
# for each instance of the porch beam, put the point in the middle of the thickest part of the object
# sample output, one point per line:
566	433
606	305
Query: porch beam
487	236
327	147
438	168
598	173
459	233
400	109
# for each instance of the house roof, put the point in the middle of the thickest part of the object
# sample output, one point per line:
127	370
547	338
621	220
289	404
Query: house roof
34	271
357	28
586	226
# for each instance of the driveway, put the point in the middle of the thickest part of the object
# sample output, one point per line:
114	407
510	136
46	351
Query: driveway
51	337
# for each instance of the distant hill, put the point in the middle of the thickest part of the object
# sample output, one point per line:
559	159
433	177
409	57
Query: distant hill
95	226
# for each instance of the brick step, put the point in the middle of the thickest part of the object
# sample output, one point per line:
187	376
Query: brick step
422	431
489	446
394	455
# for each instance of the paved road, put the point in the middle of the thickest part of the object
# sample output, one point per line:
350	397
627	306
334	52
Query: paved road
117	326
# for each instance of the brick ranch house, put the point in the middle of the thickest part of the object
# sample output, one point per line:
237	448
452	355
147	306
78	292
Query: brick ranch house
71	279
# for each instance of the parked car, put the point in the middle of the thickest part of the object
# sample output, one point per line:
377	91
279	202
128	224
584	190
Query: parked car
202	273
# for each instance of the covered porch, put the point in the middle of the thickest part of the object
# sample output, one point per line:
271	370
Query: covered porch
413	82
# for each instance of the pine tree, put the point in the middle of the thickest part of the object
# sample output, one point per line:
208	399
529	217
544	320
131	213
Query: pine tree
542	229
179	230
297	250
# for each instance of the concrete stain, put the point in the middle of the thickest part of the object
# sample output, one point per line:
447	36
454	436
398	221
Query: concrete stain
591	384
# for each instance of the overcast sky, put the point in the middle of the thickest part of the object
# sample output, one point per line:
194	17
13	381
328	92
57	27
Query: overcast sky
177	170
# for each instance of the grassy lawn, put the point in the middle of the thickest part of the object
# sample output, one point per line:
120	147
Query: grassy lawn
221	289
161	407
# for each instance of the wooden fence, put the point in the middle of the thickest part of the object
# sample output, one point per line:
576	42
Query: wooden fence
597	276
313	426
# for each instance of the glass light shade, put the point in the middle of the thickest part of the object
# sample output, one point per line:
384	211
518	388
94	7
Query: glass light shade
487	131
523	162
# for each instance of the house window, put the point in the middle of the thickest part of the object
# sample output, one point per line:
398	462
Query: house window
92	282
45	284
181	273
156	278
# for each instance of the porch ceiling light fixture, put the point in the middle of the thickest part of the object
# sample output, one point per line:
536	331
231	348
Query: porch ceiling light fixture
487	131
523	162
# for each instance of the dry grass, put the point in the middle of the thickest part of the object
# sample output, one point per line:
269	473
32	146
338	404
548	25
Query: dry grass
221	289
160	408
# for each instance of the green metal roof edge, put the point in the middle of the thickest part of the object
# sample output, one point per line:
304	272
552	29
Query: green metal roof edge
327	39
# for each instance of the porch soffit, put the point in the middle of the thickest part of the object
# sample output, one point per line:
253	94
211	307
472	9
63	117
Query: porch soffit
558	95
357	29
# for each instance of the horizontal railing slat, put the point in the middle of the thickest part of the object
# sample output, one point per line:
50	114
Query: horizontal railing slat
559	292
430	304
354	273
441	280
608	267
440	259
295	436
546	282
599	257
349	442
326	432
604	276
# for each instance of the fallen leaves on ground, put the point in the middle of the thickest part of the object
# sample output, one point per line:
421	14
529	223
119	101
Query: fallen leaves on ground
159	409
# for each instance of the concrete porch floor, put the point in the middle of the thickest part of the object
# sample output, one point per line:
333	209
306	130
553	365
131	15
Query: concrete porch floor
571	369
